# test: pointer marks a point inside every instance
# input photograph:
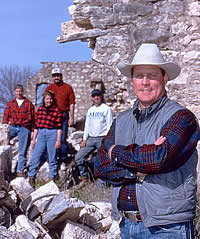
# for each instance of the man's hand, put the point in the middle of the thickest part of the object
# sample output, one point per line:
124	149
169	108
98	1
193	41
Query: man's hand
83	144
110	150
71	121
32	134
33	143
58	144
160	140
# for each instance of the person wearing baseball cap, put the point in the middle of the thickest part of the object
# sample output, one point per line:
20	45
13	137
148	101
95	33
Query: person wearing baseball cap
150	156
98	121
65	100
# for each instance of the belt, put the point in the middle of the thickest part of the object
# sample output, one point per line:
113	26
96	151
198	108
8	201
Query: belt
133	216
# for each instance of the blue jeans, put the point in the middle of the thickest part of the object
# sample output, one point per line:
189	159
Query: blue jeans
63	151
131	230
92	143
46	140
24	142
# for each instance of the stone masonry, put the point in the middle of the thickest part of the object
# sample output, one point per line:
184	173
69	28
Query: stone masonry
114	29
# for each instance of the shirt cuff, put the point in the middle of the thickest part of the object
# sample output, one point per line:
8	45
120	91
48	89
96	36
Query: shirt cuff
115	156
116	153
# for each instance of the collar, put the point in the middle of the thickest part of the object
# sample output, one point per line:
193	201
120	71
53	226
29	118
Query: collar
146	112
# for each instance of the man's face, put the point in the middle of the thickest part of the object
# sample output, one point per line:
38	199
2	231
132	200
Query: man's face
96	99
57	78
19	93
148	84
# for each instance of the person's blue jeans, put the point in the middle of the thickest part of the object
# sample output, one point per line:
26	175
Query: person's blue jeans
23	135
131	230
63	151
92	143
46	140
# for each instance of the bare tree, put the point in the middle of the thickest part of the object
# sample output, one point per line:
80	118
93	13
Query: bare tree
10	76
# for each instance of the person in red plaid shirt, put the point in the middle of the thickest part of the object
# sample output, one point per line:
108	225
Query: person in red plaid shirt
19	114
48	131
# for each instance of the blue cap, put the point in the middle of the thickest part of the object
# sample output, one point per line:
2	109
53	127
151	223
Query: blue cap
96	92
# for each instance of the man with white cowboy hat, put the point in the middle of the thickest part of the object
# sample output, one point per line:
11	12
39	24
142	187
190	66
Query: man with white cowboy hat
149	155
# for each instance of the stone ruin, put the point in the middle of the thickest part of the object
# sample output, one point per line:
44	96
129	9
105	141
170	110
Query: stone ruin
114	29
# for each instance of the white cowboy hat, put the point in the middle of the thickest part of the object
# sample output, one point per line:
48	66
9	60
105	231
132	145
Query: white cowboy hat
149	54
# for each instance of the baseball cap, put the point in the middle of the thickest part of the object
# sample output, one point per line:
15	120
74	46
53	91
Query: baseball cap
96	92
56	71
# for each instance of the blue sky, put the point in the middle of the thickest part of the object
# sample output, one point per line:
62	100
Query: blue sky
28	31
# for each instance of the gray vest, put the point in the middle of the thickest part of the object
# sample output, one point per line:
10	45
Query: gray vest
162	198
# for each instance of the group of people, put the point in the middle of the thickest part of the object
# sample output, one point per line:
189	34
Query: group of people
47	128
148	153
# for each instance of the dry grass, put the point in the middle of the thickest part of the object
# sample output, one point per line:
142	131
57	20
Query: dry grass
91	192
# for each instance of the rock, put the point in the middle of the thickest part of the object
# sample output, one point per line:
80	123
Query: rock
21	187
74	230
61	209
22	223
35	203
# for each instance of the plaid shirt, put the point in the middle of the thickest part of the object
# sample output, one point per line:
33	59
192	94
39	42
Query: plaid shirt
23	115
50	118
181	132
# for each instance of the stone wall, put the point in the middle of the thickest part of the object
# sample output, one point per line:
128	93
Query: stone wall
114	30
83	76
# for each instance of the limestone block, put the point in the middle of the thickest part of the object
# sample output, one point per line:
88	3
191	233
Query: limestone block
71	9
4	134
14	163
97	215
5	161
61	208
43	173
132	9
6	234
70	27
102	225
114	229
40	196
105	208
5	217
74	230
22	223
194	9
80	35
22	187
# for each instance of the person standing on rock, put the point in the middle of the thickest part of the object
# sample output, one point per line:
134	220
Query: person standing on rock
19	114
149	155
65	100
98	121
47	137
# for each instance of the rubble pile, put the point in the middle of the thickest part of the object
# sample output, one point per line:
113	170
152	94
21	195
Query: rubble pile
48	213
51	210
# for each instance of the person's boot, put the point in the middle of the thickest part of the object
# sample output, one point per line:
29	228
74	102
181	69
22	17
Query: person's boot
82	182
32	181
20	175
